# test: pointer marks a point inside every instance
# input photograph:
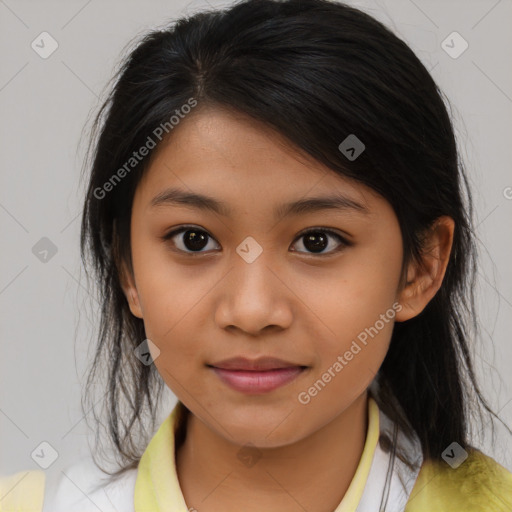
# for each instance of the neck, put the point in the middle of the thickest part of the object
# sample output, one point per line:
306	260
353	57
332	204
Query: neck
312	474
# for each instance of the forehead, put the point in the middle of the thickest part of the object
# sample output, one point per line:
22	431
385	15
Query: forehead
229	154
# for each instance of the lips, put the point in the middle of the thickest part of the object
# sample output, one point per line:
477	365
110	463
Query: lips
262	363
257	376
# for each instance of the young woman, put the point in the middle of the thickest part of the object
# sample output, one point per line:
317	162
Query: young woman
280	225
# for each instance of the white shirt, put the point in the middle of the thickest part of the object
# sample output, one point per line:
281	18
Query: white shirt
83	488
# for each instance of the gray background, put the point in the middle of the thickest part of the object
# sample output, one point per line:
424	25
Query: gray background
46	328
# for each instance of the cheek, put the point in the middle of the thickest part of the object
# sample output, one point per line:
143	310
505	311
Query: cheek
355	314
365	287
167	291
359	315
169	298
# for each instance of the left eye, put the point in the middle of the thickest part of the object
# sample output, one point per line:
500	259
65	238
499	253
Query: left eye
317	240
196	240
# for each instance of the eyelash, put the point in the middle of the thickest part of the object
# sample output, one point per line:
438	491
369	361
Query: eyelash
344	243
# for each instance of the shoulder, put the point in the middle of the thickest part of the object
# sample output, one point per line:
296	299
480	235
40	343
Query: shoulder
80	487
22	491
479	483
84	487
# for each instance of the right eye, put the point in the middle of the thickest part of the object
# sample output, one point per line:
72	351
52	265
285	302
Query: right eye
188	239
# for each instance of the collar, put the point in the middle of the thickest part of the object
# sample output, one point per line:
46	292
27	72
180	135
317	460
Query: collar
157	487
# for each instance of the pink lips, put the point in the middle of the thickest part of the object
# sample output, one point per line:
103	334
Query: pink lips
258	376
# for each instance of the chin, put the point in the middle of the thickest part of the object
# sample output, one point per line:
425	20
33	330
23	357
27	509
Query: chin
263	432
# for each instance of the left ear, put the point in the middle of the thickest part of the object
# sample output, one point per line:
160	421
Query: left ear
424	277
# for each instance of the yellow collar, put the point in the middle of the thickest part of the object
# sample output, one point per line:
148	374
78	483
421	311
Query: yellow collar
157	487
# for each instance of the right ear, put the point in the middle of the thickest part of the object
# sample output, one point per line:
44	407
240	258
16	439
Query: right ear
127	281
130	290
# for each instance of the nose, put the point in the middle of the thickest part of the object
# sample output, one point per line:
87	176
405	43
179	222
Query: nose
253	298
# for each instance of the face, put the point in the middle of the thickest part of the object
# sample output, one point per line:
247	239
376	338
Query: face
244	275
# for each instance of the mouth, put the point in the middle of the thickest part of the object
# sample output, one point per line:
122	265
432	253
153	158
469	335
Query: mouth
256	376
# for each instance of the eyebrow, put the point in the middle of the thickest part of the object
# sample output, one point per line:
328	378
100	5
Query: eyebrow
336	201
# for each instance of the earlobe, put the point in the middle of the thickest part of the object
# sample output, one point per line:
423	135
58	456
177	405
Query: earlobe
414	296
130	291
424	277
126	277
134	303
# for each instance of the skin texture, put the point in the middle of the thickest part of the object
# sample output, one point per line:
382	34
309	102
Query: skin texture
290	303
